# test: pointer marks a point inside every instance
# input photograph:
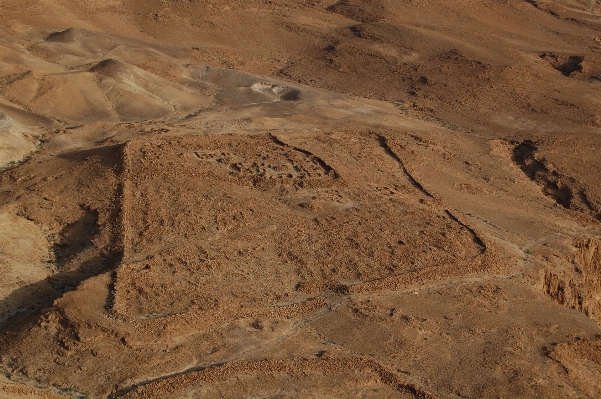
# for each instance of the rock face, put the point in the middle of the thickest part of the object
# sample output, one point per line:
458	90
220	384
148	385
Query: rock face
300	199
578	287
590	259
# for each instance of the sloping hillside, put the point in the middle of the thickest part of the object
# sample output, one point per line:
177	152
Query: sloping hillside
300	198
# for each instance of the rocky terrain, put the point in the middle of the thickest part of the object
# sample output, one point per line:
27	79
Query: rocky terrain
289	198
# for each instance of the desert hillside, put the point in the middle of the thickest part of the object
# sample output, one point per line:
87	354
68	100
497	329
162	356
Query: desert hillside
293	198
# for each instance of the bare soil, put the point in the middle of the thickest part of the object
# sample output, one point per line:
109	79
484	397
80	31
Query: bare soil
300	199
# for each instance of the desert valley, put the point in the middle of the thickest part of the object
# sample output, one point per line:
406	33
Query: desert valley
300	199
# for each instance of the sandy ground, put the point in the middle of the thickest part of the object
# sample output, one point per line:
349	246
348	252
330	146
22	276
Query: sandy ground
300	199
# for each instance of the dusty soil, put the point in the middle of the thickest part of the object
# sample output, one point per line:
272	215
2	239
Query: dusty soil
300	199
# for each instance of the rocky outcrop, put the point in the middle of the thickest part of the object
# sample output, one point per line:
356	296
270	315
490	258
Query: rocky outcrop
579	289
